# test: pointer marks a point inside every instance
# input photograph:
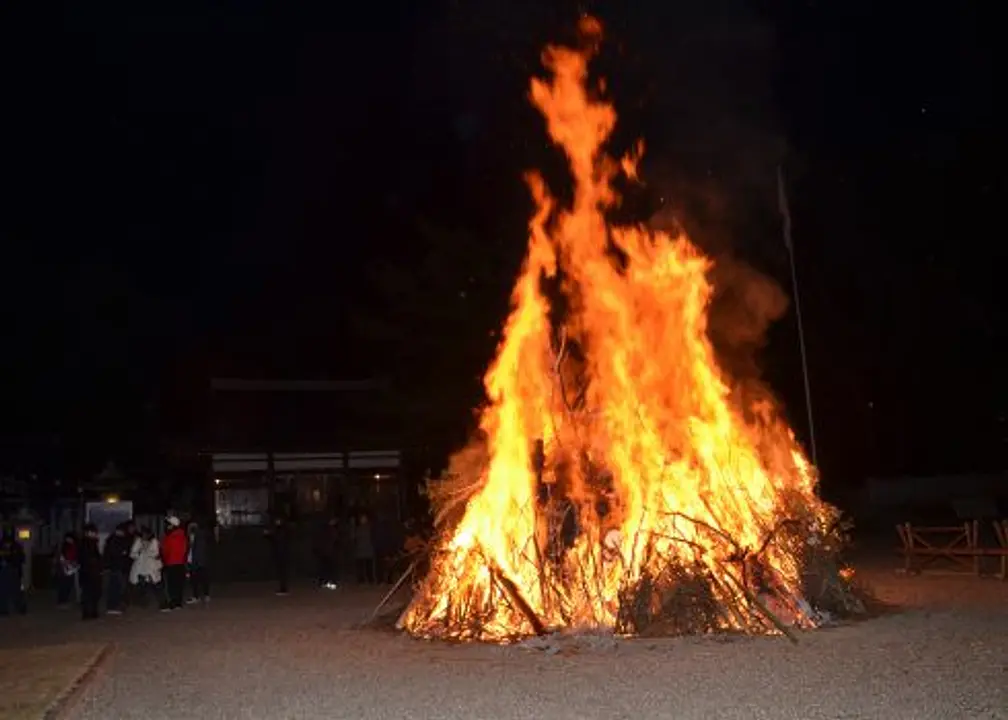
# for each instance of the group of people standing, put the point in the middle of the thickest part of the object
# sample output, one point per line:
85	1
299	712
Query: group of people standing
327	548
132	567
379	548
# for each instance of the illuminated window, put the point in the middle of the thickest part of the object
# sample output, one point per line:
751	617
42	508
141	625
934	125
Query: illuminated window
312	492
242	507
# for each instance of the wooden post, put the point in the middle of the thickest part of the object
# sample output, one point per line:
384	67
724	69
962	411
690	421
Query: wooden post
545	525
211	499
539	460
271	481
973	542
905	532
1001	533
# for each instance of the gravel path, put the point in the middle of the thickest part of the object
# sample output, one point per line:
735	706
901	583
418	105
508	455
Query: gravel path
255	656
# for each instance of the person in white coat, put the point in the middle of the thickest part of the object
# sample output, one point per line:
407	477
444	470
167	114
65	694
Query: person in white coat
145	574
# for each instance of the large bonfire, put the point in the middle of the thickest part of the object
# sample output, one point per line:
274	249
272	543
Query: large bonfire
618	483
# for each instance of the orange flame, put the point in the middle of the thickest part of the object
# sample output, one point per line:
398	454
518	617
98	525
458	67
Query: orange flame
639	429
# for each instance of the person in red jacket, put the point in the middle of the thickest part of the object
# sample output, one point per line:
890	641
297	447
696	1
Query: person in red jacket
173	558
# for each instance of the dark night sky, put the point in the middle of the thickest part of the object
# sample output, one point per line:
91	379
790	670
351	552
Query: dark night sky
242	191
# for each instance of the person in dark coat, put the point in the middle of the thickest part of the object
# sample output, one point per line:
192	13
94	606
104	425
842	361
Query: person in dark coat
388	536
65	570
90	573
199	564
364	549
279	536
327	548
12	560
117	564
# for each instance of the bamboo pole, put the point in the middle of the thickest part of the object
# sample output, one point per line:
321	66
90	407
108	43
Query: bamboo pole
395	588
785	211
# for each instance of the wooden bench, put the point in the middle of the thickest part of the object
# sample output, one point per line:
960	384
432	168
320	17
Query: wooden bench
958	544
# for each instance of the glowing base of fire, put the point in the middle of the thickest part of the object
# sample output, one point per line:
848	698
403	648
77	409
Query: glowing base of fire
667	584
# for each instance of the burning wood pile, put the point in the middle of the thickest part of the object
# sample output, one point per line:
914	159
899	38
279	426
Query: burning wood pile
617	483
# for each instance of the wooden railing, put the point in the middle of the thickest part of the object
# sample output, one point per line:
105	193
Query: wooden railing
957	544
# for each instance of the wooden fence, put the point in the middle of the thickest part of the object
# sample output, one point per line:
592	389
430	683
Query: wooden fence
957	545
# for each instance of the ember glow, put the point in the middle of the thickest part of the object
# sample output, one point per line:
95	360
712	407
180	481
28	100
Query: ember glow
648	464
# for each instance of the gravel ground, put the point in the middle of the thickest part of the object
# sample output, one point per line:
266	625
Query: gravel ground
252	655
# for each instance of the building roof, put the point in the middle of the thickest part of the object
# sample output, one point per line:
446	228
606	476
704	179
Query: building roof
291	415
246	385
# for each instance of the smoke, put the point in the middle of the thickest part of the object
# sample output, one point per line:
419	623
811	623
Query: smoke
714	140
746	302
710	119
693	78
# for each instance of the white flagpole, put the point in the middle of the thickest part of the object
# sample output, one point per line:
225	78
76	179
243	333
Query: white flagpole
785	211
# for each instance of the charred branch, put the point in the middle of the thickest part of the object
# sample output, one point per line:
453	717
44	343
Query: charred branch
520	603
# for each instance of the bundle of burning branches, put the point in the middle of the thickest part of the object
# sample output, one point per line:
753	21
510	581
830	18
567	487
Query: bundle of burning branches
693	576
687	592
617	483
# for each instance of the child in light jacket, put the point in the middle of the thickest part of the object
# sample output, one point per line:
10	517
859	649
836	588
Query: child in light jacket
145	574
